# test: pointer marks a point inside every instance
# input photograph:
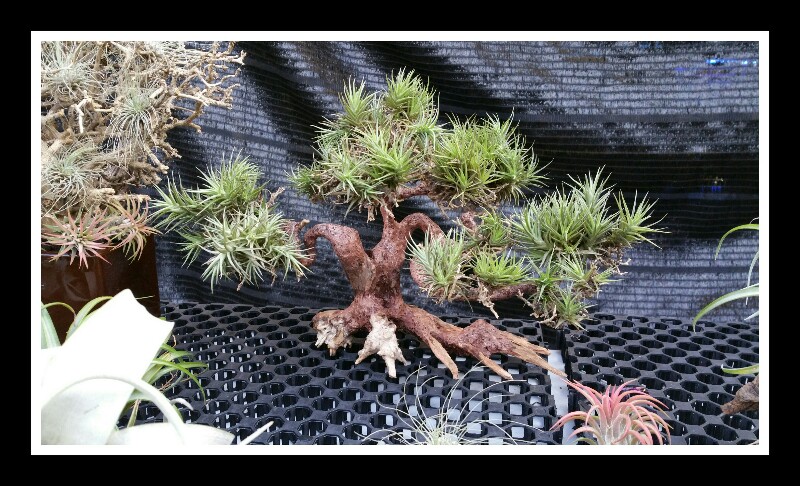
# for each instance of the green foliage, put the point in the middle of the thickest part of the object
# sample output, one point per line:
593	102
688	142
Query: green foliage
577	241
579	221
499	270
483	163
169	368
441	260
751	290
492	233
384	141
228	219
632	225
569	243
49	334
570	307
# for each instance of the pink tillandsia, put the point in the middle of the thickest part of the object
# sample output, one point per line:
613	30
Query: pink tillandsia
122	224
84	235
131	228
622	415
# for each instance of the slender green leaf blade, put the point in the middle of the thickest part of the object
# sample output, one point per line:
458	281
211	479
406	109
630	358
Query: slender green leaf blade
746	370
751	226
85	311
751	291
49	335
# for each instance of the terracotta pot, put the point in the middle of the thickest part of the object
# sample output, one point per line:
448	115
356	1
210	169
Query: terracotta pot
76	285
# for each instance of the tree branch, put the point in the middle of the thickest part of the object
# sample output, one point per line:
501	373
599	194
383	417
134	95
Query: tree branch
405	192
347	245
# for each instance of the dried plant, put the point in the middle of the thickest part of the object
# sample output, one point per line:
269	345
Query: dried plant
622	415
107	108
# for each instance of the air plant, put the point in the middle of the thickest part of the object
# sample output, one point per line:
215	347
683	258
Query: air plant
86	235
622	415
68	176
483	163
499	270
169	368
85	384
134	116
229	219
119	224
131	227
442	261
67	67
557	251
453	422
106	109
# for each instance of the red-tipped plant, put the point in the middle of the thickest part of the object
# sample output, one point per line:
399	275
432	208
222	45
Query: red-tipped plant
131	227
622	415
85	235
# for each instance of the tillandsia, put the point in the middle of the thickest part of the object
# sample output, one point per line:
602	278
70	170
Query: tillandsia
107	108
621	415
229	220
168	368
554	253
457	418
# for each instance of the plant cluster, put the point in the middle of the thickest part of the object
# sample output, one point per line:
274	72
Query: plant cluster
107	108
622	415
230	220
555	252
389	145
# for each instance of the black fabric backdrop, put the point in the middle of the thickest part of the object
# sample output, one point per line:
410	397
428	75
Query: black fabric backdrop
678	120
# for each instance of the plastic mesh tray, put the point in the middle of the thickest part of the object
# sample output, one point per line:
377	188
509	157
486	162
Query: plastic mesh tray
677	365
263	366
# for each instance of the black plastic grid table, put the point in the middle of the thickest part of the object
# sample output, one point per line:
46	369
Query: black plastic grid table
263	366
677	364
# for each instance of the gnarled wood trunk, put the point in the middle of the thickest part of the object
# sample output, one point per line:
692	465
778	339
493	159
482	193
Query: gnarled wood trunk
378	305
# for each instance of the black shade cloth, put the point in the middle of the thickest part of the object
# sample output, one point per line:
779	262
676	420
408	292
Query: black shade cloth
676	120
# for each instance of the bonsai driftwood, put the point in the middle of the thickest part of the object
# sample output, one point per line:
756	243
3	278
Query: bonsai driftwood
378	305
745	400
388	146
